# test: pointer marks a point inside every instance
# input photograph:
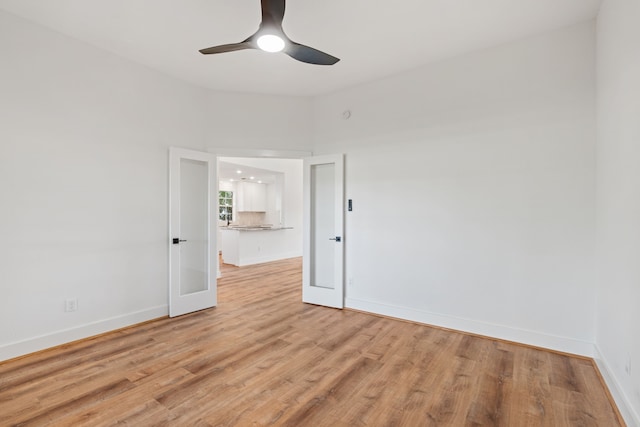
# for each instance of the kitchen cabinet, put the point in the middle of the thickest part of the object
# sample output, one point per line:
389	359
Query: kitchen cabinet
251	197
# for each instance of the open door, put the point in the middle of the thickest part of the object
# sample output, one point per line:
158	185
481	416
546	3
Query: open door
192	231
322	267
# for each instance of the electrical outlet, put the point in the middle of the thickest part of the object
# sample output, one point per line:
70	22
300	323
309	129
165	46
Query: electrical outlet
71	304
351	281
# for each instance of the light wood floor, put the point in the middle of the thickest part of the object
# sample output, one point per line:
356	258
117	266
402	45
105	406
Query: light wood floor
264	358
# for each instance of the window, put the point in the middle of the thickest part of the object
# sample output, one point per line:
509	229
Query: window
225	209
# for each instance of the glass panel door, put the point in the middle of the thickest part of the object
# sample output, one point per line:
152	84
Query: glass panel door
192	231
194	226
322	263
322	186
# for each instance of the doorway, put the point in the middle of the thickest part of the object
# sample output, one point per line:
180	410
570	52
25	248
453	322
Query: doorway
319	182
260	213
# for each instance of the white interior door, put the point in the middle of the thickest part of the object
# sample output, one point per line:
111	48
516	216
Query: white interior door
322	270
192	231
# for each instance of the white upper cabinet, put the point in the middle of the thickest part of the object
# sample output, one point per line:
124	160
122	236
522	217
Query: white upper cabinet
251	197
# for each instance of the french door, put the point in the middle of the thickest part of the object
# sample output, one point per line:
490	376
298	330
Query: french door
323	249
192	231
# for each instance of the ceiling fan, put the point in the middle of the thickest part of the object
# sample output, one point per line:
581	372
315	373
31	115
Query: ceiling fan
271	38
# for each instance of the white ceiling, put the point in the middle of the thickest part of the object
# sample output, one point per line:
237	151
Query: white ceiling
374	39
228	171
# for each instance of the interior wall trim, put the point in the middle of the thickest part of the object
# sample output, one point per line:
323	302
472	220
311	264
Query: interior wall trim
631	417
490	330
261	153
65	336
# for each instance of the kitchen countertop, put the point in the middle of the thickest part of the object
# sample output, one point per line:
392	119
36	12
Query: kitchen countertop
256	228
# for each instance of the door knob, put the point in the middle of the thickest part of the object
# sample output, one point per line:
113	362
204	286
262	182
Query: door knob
177	240
337	238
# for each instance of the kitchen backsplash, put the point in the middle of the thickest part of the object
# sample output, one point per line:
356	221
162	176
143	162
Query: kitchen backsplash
248	218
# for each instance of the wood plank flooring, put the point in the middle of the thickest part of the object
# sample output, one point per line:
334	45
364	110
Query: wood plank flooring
263	358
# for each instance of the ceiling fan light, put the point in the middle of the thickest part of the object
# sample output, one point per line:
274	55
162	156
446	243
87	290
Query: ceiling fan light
270	43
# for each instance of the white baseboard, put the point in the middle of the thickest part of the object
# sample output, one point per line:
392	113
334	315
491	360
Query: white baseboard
630	415
16	349
537	339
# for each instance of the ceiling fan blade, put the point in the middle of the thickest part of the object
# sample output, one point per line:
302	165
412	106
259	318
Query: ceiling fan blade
273	12
309	55
227	48
272	16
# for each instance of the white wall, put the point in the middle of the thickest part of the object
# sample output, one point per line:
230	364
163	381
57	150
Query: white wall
251	121
618	200
83	176
84	179
473	189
